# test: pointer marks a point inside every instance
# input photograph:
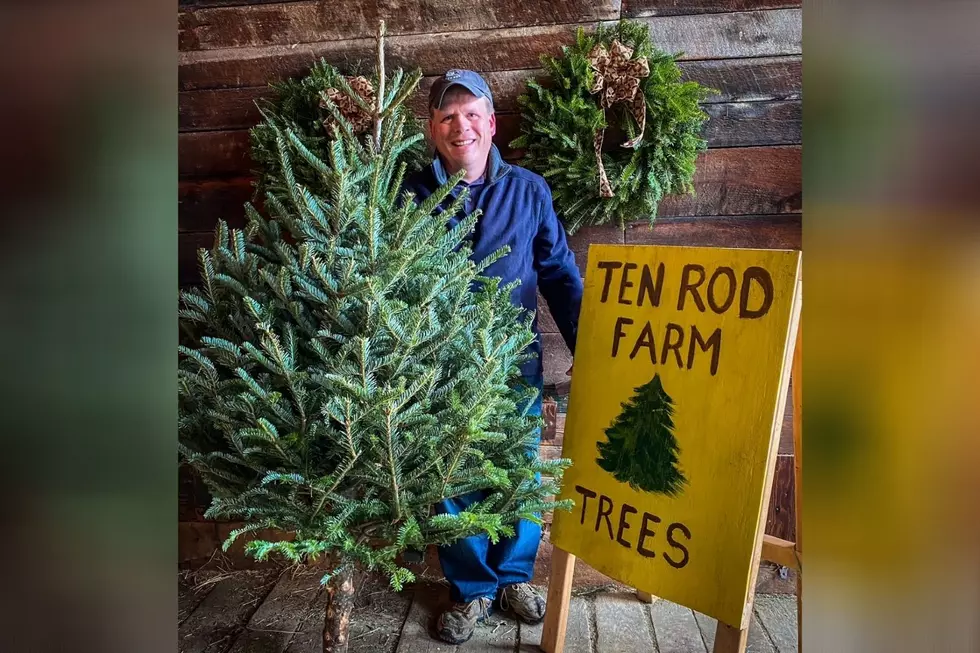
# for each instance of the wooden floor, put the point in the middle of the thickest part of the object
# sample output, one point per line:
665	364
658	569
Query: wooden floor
275	611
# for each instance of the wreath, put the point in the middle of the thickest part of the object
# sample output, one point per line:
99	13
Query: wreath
316	104
612	88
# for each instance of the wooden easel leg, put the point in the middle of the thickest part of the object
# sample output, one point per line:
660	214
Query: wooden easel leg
644	597
799	611
798	474
729	639
559	596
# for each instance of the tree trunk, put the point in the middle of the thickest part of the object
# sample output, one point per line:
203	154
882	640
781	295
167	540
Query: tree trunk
340	602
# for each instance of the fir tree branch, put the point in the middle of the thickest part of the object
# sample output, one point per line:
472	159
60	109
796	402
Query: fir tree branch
409	86
392	466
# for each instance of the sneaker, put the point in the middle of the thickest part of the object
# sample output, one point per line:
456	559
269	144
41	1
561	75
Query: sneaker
524	601
456	624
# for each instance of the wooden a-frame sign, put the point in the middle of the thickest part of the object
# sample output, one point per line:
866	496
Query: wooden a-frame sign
682	368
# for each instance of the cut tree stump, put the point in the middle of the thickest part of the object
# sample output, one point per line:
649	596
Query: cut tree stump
340	603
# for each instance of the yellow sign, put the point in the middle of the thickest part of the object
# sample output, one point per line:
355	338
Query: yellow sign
681	372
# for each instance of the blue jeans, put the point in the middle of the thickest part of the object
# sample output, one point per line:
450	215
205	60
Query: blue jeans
476	568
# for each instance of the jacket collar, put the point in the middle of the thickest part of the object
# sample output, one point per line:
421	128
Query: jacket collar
496	167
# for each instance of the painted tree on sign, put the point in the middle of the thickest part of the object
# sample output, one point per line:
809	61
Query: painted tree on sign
641	449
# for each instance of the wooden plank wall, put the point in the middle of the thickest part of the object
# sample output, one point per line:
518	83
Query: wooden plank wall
748	183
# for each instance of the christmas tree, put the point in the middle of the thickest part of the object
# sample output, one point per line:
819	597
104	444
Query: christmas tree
641	449
344	366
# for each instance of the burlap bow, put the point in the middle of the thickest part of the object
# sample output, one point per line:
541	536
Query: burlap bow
617	77
359	119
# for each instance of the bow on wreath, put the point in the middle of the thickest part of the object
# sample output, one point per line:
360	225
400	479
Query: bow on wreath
359	119
617	76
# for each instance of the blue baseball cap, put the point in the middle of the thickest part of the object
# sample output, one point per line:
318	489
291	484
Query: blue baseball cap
468	79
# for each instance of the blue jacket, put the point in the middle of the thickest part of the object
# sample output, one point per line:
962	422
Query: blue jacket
517	211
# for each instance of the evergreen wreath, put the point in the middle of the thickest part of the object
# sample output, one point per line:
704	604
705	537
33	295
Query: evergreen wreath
613	80
313	106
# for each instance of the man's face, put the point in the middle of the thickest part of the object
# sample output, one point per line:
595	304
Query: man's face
462	132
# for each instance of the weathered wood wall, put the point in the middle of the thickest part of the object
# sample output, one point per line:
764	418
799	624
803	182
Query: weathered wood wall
748	184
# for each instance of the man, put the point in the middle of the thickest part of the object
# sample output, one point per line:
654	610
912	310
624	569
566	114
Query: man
517	211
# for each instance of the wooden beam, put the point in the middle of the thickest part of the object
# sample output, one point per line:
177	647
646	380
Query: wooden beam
559	596
642	8
798	436
214	154
289	23
226	152
748	80
196	540
234	108
729	639
780	551
737	80
186	4
743	181
711	36
783	391
729	35
517	48
786	434
761	79
630	8
202	202
549	413
644	597
798	478
729	124
193	497
220	108
755	182
780	231
780	520
738	124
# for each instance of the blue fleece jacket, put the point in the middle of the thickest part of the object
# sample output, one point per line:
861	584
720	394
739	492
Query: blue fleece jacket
517	211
